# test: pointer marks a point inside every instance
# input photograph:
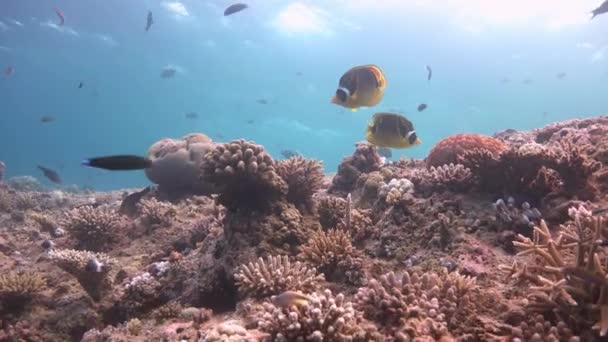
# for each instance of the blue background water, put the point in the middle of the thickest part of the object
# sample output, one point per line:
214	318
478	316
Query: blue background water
226	64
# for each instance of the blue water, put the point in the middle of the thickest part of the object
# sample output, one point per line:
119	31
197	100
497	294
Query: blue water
225	64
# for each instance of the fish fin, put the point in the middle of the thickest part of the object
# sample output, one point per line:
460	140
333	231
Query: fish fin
353	109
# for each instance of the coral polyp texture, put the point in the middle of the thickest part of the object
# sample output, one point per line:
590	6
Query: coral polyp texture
274	275
92	228
304	178
448	150
324	317
245	175
488	239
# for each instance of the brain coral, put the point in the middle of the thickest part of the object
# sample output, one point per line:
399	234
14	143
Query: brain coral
449	149
176	164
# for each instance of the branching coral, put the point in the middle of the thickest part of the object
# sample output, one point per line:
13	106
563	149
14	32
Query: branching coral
323	318
452	148
568	274
18	289
331	210
275	275
21	331
304	177
93	228
333	254
244	174
413	306
452	177
92	270
154	212
6	204
365	159
141	294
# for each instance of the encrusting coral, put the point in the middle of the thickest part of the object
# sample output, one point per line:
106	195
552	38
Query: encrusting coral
304	177
323	318
154	212
93	228
567	276
244	174
274	275
92	270
365	160
451	149
17	289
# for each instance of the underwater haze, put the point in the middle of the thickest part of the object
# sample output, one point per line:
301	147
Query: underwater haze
267	74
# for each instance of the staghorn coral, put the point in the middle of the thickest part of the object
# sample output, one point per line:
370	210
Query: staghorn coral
275	275
92	270
333	254
413	306
396	191
304	177
154	212
241	169
365	160
567	275
451	177
93	228
450	150
323	318
18	289
331	210
176	164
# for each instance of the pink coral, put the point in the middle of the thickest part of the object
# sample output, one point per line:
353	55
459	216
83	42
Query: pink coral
449	150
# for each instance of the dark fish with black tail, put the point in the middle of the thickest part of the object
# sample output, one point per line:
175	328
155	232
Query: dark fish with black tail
149	21
288	299
234	9
191	115
422	107
80	85
119	162
129	204
385	152
50	174
429	73
47	119
251	122
262	101
600	10
391	130
289	153
560	75
361	86
168	72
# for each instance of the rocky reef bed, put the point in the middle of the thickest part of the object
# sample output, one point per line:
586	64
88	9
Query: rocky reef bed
488	239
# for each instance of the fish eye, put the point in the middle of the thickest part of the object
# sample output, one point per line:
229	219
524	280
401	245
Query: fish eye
341	95
412	138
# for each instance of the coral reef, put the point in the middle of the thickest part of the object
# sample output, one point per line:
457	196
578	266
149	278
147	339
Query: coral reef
396	191
275	275
365	160
323	318
331	210
17	289
448	177
176	164
241	169
304	177
451	149
93	228
154	212
2	171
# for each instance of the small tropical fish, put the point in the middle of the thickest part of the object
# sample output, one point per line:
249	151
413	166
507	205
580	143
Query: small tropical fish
250	121
80	85
119	162
600	10
289	153
47	119
360	86
391	130
168	72
385	152
50	174
288	299
262	101
429	73
129	204
299	73
527	81
9	71
191	115
234	9
561	75
505	80
149	21
61	17
93	266
422	107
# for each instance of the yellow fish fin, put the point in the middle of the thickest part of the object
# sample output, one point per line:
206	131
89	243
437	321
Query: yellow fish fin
353	109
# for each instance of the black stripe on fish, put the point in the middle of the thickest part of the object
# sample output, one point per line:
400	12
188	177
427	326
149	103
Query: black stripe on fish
119	162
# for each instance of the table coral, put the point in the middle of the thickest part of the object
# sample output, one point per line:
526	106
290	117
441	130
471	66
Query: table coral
448	150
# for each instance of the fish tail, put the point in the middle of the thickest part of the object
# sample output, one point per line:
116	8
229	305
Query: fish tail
118	162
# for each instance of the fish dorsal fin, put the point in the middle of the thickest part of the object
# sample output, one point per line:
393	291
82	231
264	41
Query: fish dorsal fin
378	75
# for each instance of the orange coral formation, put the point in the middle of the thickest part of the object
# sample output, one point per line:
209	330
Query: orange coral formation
448	150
